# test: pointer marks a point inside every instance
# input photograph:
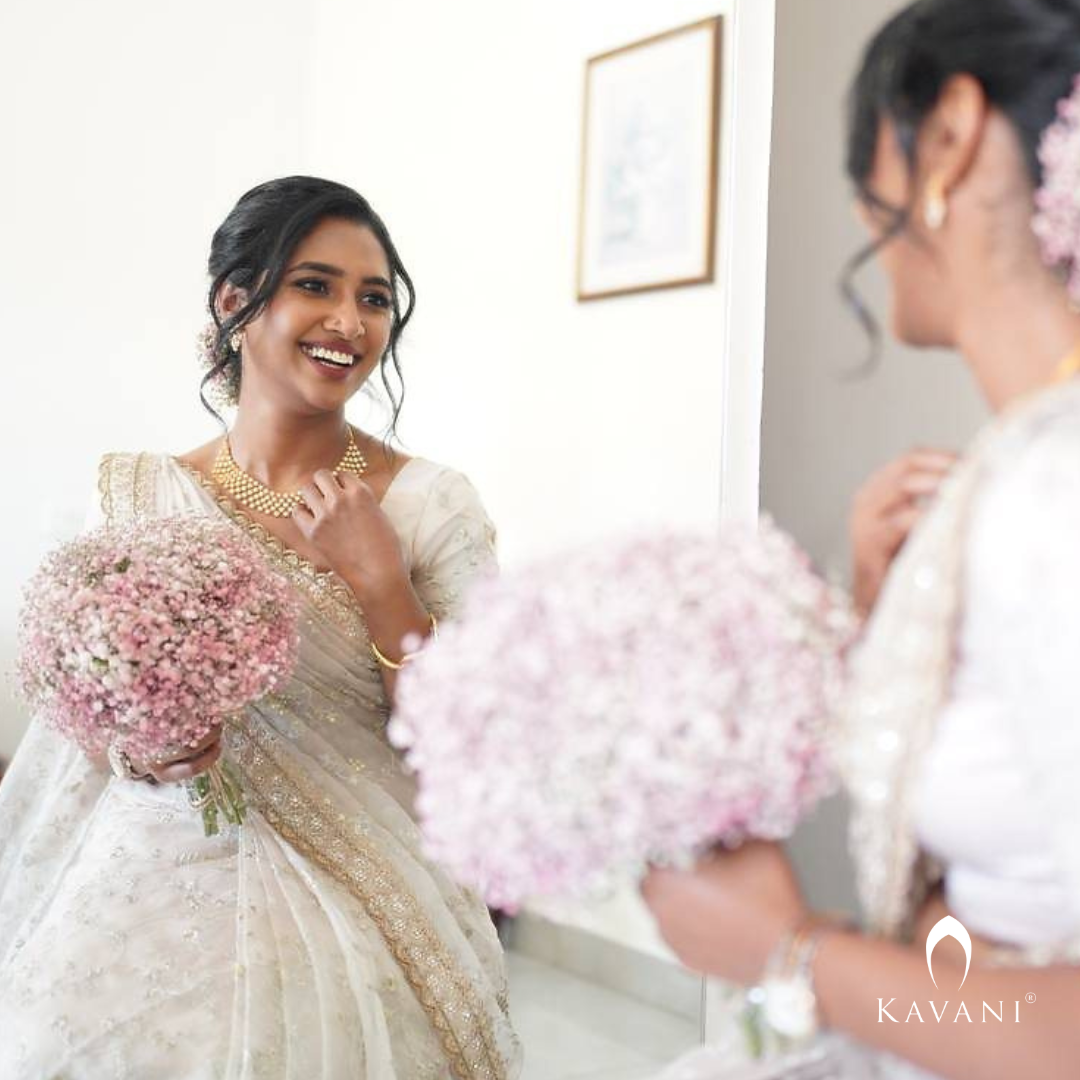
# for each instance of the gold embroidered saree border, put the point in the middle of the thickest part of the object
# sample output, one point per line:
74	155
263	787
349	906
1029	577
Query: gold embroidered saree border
329	595
302	816
126	485
894	698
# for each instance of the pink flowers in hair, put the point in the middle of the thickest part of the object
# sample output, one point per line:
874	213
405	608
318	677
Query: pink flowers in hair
1057	202
153	635
624	703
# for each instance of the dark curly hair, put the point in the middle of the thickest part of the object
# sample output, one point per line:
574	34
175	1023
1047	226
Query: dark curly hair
1024	53
251	250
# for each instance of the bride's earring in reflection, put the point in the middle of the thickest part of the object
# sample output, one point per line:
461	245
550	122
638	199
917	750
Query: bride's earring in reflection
935	204
236	339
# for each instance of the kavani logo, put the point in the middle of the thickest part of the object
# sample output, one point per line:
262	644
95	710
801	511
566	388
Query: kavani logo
948	928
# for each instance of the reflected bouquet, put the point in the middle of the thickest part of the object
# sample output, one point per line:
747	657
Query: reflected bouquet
624	704
146	639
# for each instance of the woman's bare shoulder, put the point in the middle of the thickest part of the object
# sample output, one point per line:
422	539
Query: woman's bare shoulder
202	457
384	462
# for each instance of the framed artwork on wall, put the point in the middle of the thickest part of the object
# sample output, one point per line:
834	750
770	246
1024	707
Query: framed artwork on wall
650	142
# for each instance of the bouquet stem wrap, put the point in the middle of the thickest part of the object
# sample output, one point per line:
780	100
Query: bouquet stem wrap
217	791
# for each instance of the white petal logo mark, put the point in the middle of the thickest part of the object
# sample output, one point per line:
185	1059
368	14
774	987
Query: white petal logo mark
948	927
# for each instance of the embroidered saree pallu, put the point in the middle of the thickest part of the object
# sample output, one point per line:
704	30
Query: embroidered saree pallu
315	941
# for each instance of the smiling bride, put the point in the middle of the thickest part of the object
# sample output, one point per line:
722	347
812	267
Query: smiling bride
314	940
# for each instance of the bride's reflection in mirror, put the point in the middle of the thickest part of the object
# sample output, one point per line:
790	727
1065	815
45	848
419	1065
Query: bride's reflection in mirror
963	144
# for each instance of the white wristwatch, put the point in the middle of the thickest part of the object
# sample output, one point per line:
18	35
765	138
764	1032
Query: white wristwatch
789	1003
786	994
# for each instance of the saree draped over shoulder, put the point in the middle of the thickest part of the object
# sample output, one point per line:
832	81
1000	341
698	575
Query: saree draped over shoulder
985	589
978	623
314	941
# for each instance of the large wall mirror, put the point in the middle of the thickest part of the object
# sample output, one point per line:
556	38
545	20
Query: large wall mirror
463	128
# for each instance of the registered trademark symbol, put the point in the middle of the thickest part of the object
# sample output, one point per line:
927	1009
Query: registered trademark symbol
1030	999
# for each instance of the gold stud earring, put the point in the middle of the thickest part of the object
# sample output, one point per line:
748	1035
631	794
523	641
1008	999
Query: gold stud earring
935	204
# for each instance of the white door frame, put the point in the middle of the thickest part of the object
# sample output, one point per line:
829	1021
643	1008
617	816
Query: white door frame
745	225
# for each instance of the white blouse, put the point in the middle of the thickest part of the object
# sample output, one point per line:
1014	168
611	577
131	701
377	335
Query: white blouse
997	797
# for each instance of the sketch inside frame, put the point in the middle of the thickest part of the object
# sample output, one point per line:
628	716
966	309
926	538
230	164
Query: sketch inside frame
648	198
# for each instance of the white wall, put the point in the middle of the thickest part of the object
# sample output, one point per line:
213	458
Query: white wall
572	419
822	433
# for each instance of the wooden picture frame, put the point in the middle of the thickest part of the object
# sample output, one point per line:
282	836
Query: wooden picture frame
649	164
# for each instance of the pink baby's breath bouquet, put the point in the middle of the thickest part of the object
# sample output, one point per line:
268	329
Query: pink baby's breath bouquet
145	639
624	704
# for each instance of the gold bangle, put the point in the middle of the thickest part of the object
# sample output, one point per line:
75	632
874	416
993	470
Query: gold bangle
397	665
809	927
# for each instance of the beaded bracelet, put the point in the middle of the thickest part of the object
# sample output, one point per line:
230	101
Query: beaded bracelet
122	767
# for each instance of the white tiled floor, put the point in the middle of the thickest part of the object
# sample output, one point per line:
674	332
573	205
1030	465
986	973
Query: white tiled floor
574	1030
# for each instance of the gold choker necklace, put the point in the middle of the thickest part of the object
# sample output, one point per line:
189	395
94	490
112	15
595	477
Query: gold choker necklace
252	494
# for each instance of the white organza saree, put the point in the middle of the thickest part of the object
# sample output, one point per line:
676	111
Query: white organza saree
315	941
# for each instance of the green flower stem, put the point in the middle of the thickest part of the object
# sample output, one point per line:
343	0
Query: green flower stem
217	790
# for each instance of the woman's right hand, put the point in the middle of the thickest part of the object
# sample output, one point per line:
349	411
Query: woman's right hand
196	759
883	513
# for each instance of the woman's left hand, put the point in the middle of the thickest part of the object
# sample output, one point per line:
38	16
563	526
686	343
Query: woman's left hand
341	517
727	915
